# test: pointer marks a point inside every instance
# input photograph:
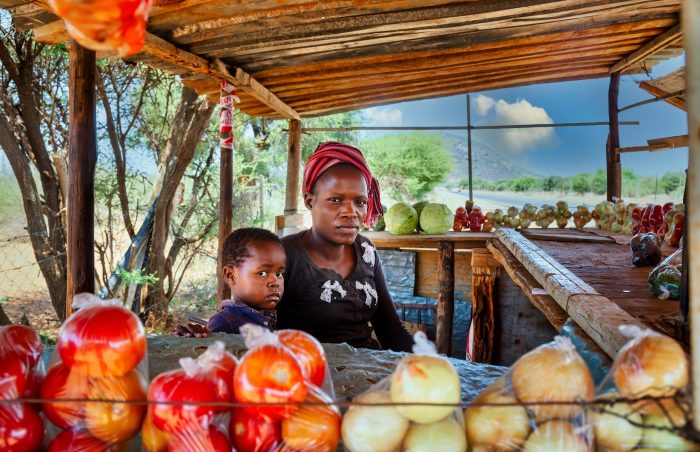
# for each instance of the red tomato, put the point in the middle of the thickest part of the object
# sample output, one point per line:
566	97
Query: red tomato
224	370
177	386
313	427
251	432
211	441
14	373
62	383
76	440
20	430
153	440
115	422
22	340
102	340
308	351
270	374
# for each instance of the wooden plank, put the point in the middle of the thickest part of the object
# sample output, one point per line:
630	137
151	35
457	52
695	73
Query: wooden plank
676	101
82	158
462	240
612	158
446	302
560	236
426	277
291	197
673	35
678	141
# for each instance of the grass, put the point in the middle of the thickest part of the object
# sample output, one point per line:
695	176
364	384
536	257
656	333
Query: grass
10	197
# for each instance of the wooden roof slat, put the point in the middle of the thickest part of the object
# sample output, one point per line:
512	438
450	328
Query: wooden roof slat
663	40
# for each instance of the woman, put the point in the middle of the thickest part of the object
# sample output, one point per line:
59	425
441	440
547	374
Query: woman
335	283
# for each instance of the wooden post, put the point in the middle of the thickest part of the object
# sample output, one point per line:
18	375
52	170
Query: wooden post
469	146
225	183
614	168
446	297
82	157
485	270
691	31
291	199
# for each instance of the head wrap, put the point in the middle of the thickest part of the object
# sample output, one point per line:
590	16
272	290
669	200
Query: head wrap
331	153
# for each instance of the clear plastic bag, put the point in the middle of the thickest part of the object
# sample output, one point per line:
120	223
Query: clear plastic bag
21	374
101	360
416	408
646	249
536	405
643	401
665	279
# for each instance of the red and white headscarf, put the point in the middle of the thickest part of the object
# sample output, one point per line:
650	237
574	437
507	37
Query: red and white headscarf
331	153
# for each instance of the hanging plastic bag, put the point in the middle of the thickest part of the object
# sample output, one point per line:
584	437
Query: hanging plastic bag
665	279
105	25
101	360
416	408
536	405
21	374
642	403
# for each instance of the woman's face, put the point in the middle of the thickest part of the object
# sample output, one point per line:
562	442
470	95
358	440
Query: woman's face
338	204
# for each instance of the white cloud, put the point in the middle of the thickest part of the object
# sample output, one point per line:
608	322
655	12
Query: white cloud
518	112
383	117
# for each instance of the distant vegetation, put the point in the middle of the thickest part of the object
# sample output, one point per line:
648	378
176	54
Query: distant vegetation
632	184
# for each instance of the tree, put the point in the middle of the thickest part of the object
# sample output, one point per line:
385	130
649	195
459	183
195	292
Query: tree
408	166
523	183
580	183
671	181
599	183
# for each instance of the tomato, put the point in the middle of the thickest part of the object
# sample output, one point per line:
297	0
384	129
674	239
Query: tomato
313	427
308	351
62	383
102	340
270	374
152	439
20	429
22	340
251	432
224	370
115	422
76	440
14	373
177	386
211	441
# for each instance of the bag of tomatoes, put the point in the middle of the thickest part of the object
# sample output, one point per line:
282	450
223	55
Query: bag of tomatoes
189	407
277	383
100	368
416	408
105	25
644	400
21	374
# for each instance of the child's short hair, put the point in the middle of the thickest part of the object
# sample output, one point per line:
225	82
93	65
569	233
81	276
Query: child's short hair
235	249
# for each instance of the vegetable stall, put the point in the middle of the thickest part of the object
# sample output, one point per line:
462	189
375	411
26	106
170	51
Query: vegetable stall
338	56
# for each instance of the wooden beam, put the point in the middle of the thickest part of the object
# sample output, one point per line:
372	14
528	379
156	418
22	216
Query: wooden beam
82	157
612	158
291	198
659	144
446	297
225	190
482	330
654	91
662	41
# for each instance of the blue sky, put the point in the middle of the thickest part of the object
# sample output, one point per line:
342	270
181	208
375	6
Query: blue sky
563	151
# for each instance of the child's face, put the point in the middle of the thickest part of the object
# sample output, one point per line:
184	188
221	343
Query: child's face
259	280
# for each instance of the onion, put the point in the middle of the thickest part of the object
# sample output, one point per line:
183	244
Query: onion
373	428
446	435
616	426
657	435
425	379
501	426
555	436
553	372
650	365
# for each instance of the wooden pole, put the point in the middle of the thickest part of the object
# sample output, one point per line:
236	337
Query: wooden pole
291	199
82	157
469	146
691	31
225	183
614	168
483	323
446	297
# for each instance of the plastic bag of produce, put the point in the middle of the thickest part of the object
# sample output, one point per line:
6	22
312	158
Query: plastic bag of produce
100	360
21	374
288	373
536	405
416	408
109	25
179	415
643	403
665	279
646	249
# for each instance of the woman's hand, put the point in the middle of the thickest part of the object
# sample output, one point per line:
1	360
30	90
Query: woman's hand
191	330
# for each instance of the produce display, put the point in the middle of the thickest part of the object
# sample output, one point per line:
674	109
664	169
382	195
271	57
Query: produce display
665	279
435	218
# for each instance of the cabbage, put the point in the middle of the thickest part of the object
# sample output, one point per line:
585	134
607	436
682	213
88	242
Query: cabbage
436	218
401	219
419	208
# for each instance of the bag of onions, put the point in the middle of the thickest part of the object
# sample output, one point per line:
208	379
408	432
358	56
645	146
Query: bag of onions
179	415
21	374
284	379
536	405
416	408
100	363
643	402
